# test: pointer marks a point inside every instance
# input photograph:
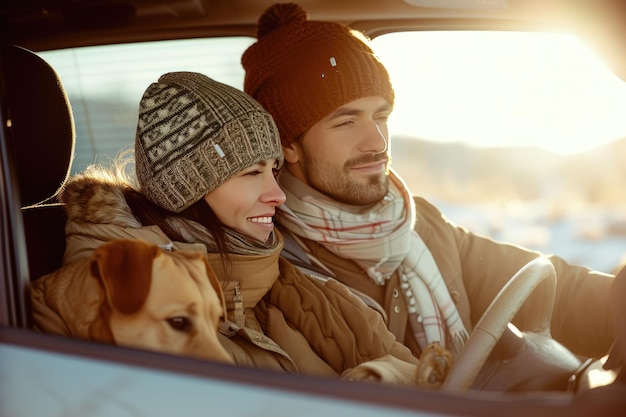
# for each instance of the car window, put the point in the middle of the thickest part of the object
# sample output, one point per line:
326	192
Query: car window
105	83
513	135
503	89
520	136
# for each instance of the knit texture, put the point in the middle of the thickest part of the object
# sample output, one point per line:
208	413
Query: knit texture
302	70
193	134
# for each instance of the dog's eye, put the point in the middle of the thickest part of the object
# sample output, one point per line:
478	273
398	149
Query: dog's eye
182	324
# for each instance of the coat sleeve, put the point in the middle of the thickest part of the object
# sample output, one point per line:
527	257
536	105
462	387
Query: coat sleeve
340	328
581	319
372	320
387	369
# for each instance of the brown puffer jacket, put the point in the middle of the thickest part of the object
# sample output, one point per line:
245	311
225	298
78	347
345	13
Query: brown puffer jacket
291	323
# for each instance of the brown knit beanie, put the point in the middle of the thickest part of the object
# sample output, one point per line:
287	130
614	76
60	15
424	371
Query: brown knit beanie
193	134
302	70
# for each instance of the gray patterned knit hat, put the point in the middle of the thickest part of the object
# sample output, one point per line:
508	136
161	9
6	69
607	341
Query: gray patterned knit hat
193	134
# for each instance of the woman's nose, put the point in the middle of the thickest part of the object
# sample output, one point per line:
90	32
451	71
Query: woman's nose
272	192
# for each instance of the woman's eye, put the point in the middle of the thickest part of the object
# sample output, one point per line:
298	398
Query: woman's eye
181	324
253	173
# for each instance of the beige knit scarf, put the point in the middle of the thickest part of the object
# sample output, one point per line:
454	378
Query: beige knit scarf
380	239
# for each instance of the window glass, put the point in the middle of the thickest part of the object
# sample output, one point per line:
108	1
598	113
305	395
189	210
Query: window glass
503	89
519	136
105	83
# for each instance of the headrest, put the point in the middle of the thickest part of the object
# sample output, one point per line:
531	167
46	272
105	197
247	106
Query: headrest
41	123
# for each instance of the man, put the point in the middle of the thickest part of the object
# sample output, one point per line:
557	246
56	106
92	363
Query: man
349	216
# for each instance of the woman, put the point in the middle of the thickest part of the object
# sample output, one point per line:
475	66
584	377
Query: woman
206	156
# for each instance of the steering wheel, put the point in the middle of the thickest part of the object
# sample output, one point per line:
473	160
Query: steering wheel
495	319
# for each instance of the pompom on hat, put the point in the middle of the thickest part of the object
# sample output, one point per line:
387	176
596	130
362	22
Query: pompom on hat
195	133
302	70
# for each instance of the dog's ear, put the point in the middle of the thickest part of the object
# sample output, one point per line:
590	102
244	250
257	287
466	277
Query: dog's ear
215	283
125	269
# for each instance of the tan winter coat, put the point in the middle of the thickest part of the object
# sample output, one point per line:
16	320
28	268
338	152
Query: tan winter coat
292	323
475	268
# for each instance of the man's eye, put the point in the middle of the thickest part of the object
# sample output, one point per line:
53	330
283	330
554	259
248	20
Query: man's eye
181	324
344	123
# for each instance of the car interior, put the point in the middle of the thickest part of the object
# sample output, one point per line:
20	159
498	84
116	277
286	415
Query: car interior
36	98
38	134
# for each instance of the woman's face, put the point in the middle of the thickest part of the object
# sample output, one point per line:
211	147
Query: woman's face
247	201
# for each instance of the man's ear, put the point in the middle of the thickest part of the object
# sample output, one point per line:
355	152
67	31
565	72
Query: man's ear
292	152
125	269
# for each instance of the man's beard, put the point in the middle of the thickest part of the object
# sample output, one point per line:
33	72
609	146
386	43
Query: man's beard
340	185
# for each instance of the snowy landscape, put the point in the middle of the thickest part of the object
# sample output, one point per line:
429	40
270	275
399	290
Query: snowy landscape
571	206
585	237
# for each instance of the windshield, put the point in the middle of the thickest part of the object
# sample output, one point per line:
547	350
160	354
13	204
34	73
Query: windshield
513	135
508	89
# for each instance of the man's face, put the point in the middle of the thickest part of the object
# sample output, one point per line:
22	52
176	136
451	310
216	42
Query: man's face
346	154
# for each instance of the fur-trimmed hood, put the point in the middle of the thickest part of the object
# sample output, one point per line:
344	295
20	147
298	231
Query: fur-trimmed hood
97	196
97	213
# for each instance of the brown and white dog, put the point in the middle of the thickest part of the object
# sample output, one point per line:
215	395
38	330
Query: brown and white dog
158	300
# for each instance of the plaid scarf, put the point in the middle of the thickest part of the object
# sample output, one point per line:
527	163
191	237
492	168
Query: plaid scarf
381	240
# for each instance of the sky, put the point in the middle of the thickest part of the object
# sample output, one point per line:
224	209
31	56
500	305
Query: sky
515	89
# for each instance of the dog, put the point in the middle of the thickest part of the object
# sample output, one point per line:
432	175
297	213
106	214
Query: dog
158	300
435	363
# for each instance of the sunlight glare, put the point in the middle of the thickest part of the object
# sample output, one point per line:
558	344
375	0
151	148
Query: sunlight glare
507	89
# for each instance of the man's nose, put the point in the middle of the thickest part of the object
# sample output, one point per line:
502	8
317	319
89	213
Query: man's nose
377	142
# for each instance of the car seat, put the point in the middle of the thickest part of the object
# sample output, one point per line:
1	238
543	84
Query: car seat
40	136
